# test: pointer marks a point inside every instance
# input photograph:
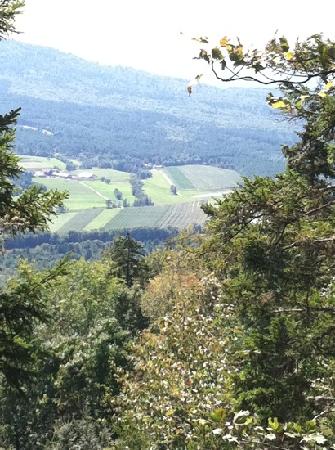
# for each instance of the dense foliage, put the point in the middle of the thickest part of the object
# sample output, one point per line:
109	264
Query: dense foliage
242	353
43	250
221	340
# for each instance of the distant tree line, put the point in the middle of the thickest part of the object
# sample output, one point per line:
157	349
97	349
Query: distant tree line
31	240
46	249
142	199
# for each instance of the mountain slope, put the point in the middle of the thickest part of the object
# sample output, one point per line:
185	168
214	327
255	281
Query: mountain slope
123	117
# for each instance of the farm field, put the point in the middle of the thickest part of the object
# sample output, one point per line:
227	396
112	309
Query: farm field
145	216
158	189
203	178
86	206
176	216
112	174
83	220
203	182
107	190
177	177
99	222
80	220
57	222
80	195
40	162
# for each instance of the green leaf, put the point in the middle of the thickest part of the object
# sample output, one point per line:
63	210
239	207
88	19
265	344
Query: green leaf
204	55
216	53
218	415
288	56
240	414
274	424
284	44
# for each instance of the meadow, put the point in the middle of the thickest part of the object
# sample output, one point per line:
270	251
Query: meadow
40	162
80	195
202	178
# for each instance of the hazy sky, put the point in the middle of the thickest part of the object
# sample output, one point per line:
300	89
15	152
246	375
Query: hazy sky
146	34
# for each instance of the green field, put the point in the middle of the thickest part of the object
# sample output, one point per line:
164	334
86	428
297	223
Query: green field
158	189
87	202
178	178
80	196
203	178
107	190
39	162
59	221
79	221
83	220
177	216
102	219
146	216
193	182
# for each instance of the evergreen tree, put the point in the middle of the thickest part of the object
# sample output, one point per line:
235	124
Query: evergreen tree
20	211
126	256
269	251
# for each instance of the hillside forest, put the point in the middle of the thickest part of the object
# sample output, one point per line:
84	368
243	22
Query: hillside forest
120	118
221	339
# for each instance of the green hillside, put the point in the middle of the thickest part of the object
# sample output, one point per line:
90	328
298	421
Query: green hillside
122	118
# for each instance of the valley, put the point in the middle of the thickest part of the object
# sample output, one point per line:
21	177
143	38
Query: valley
97	196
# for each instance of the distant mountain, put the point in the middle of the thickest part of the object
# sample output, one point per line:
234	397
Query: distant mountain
126	118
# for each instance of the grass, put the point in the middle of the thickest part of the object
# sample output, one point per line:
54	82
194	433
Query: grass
81	196
60	220
146	216
178	178
158	189
107	190
99	222
209	178
40	162
178	216
79	220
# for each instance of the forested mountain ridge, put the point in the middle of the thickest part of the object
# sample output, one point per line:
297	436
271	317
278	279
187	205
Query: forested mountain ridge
121	117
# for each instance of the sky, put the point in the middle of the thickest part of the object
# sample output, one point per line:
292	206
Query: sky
156	35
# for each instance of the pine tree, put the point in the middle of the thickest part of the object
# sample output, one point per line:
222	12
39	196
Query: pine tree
271	243
20	211
126	256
